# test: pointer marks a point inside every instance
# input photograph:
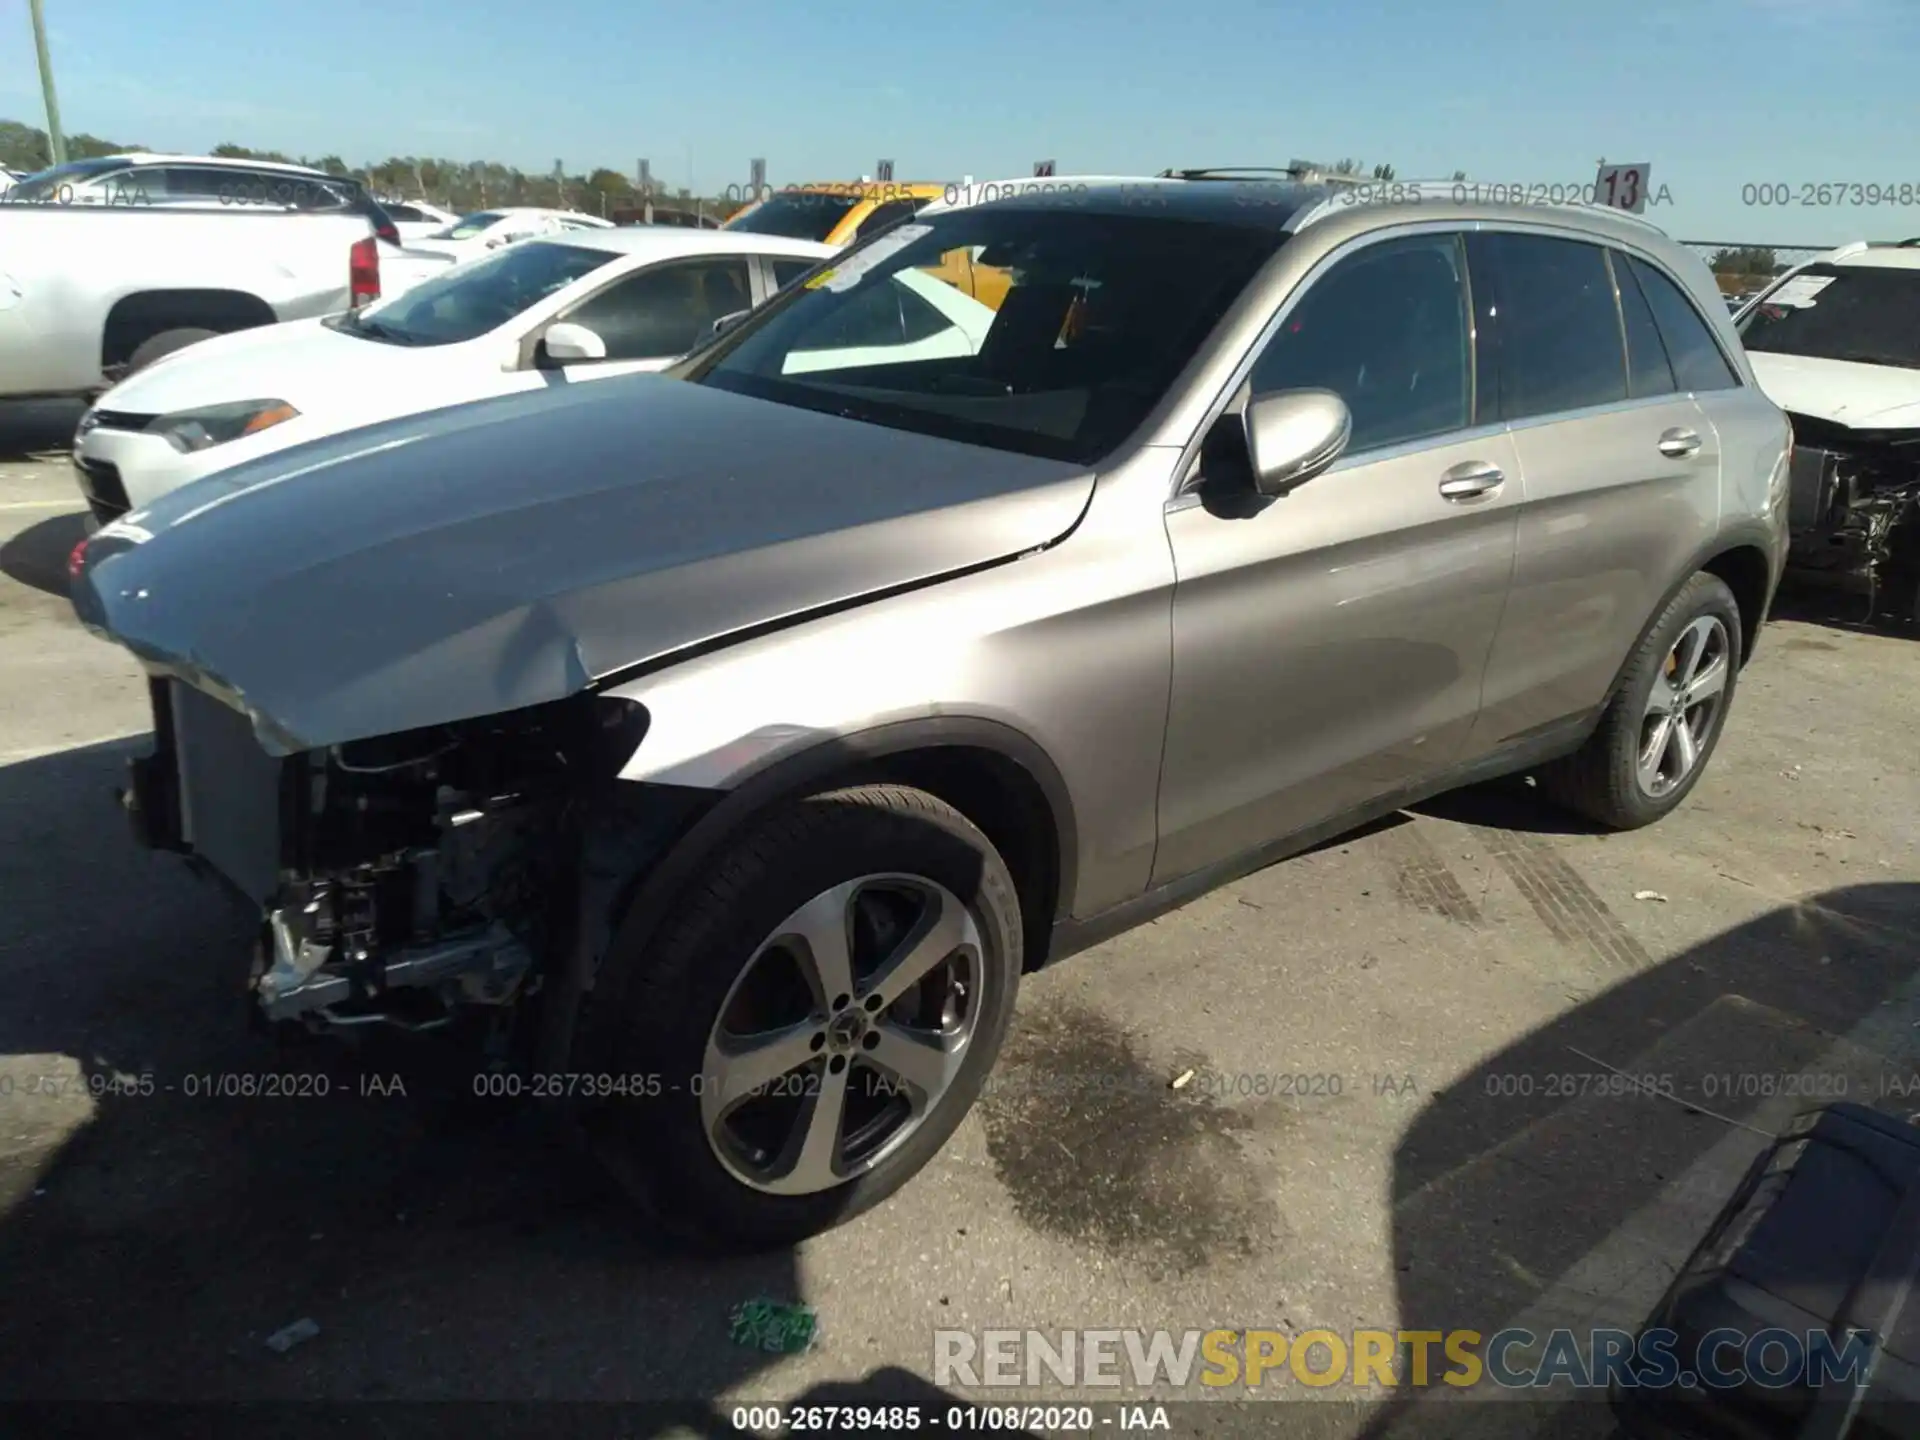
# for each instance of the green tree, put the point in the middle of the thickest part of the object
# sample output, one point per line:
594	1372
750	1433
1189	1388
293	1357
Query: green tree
1744	261
226	150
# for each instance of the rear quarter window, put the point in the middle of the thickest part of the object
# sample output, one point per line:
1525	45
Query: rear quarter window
1698	363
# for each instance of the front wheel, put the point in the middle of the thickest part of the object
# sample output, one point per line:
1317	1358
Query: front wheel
1660	728
820	1015
158	347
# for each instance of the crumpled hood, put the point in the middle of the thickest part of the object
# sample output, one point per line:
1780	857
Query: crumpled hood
504	553
1862	397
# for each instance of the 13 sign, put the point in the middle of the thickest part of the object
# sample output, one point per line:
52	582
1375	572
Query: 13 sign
1623	187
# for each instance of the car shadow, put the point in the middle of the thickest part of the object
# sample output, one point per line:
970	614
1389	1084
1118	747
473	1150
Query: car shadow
30	428
1512	802
166	1204
37	556
1836	608
1630	1178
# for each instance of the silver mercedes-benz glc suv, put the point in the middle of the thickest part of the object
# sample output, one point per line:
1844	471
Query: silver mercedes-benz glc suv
726	744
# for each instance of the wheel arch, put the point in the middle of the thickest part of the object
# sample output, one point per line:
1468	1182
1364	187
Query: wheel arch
999	777
1738	558
145	313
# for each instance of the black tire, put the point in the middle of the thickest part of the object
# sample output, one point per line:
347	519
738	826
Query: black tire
666	1000
1600	780
155	347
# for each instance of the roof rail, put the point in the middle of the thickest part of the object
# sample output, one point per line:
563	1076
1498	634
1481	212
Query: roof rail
1221	172
1453	192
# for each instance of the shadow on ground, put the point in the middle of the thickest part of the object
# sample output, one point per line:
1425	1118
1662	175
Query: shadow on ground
37	427
1490	1156
37	556
444	1249
1841	609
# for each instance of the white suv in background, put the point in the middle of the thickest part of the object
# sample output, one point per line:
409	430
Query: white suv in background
485	230
1835	343
416	219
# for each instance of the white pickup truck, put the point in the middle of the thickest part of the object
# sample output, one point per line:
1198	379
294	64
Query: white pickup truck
90	294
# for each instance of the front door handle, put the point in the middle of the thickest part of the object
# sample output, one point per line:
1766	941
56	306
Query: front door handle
1471	479
1677	444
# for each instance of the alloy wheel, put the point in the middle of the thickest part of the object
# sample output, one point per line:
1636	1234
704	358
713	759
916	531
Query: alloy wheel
1683	706
841	1034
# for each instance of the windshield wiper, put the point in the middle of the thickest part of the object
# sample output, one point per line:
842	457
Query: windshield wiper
357	322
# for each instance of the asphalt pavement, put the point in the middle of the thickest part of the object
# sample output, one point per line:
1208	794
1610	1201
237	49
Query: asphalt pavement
1384	1120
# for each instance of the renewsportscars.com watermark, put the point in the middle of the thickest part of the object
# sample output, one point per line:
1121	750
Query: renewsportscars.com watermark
1511	1359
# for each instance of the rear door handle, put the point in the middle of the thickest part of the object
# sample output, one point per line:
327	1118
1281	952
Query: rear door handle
1678	444
1471	479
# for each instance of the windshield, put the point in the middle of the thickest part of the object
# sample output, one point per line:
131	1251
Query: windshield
1102	312
1865	313
57	184
466	301
468	226
796	214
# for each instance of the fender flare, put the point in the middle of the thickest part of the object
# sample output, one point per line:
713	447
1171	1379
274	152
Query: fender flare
1743	536
652	899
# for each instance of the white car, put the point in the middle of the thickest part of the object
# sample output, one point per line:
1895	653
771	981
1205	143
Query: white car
146	181
485	230
416	219
557	309
1835	343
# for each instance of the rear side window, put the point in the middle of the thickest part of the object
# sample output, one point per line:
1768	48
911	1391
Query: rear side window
1697	361
1557	330
1648	372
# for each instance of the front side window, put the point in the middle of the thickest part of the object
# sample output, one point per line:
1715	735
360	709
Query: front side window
1557	326
1103	312
1697	361
1386	330
666	310
467	301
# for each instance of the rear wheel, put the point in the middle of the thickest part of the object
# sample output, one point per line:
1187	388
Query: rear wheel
820	1014
1660	729
156	347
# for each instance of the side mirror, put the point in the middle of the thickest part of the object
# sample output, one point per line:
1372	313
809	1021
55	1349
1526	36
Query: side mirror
567	343
729	320
1293	435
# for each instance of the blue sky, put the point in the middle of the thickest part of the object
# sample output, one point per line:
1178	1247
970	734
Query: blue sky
1717	94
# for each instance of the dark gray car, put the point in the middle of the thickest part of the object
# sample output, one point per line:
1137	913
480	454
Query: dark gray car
731	741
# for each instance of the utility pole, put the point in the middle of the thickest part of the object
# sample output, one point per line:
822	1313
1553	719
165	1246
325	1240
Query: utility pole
55	139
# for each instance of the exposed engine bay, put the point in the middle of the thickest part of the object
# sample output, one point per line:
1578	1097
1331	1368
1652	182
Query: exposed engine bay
401	879
1854	515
